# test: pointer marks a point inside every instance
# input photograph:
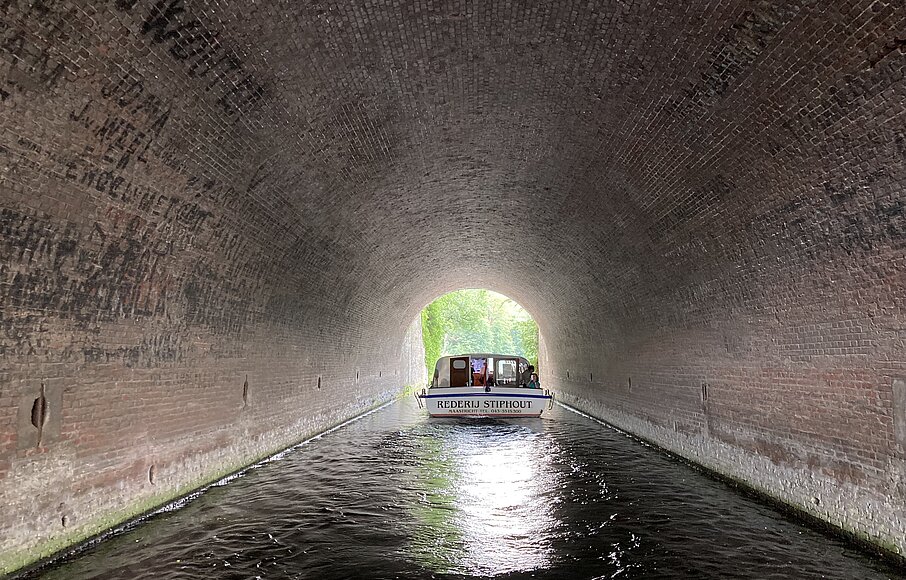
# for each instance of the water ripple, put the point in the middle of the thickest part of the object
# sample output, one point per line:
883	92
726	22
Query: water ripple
396	495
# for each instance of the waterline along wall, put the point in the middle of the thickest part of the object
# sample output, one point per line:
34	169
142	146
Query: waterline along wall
218	218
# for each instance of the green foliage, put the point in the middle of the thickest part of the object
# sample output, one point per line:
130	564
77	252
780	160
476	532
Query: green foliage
477	321
528	336
432	333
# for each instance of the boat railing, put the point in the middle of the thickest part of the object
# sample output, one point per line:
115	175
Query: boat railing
419	397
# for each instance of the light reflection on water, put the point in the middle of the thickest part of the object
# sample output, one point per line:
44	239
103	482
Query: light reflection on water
487	507
397	495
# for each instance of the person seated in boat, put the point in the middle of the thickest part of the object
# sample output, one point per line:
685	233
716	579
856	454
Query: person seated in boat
534	382
527	375
479	373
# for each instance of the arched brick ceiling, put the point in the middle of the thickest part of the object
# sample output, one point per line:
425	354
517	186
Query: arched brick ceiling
606	158
601	162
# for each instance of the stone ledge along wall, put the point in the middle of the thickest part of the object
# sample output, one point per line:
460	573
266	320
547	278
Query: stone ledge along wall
208	210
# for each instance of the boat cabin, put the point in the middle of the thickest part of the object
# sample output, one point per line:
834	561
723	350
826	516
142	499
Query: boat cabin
483	385
479	370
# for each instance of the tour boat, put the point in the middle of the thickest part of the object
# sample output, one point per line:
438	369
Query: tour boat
483	385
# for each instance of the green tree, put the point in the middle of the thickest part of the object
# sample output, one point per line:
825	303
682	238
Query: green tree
527	331
477	321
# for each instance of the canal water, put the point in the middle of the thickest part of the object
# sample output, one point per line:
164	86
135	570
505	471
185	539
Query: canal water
397	495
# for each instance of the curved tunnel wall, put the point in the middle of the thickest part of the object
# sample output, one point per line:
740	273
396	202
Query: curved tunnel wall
209	209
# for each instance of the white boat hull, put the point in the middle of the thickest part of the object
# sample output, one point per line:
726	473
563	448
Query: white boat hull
485	402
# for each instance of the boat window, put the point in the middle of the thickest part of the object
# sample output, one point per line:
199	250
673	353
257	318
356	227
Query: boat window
459	363
506	372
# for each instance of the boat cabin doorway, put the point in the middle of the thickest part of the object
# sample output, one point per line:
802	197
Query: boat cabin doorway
459	371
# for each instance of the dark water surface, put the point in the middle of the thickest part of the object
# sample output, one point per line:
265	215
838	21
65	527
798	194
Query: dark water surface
398	495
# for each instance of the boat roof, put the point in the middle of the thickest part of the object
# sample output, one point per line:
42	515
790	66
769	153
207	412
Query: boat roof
483	355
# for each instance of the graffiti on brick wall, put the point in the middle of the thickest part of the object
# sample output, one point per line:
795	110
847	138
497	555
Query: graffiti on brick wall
35	34
198	48
870	214
221	303
124	264
33	55
123	267
740	47
123	137
136	247
175	220
854	217
111	272
117	269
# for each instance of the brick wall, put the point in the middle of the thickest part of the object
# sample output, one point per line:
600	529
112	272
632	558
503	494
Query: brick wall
207	209
164	321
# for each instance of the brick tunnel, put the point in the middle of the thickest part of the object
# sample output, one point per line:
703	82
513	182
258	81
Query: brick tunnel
218	220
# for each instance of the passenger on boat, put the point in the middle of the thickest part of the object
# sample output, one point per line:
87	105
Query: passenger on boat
479	373
534	382
526	375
